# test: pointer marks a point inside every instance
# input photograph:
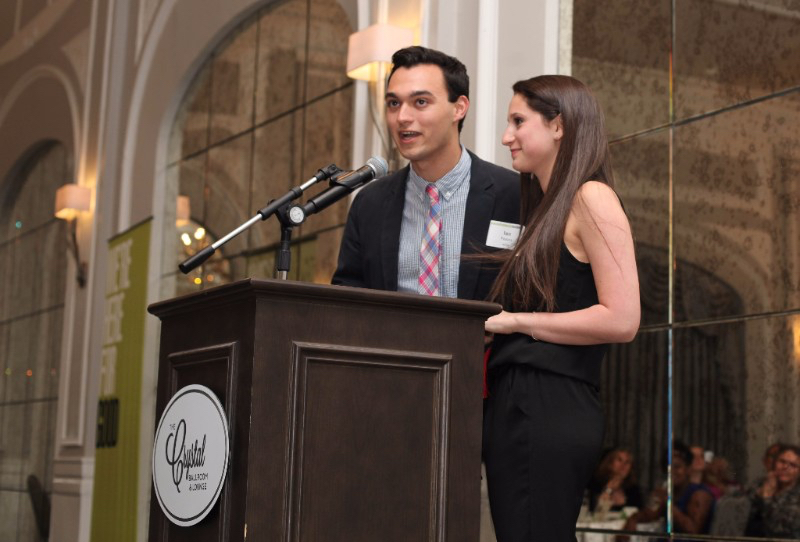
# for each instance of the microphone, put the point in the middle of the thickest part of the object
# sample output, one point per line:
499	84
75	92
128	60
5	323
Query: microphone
344	184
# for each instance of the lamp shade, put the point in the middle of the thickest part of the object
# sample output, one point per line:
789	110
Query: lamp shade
183	210
72	199
374	44
796	337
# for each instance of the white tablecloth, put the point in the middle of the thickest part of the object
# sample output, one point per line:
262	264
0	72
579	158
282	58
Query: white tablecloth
615	523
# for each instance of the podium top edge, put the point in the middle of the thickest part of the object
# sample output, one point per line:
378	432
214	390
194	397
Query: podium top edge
254	288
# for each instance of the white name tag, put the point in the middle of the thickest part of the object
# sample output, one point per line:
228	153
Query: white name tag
502	234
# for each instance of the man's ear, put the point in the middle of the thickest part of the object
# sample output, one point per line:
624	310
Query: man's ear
557	128
461	108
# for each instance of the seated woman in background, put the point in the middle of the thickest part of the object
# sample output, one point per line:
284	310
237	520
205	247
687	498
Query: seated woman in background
718	477
613	485
775	504
692	504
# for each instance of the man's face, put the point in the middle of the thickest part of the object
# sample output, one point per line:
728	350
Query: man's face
422	122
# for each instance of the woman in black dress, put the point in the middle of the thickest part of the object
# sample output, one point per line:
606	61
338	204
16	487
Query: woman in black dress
569	287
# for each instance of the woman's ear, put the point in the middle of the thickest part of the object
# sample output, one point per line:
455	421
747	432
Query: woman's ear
557	128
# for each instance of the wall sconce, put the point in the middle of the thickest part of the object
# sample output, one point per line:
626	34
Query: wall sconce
183	211
71	200
372	47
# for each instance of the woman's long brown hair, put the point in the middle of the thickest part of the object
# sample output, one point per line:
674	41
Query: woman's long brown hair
531	269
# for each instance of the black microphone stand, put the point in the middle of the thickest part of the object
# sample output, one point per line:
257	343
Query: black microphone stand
284	260
275	206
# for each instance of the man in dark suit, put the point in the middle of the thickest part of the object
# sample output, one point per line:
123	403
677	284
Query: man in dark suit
408	230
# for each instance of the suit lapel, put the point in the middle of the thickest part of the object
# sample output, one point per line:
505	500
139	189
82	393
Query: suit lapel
478	214
390	230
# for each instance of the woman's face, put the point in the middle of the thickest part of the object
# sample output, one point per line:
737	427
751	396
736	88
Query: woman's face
680	471
532	139
621	464
698	459
787	468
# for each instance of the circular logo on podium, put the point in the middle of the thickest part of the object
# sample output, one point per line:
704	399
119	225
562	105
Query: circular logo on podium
190	455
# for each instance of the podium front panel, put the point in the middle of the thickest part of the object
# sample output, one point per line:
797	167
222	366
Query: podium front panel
369	442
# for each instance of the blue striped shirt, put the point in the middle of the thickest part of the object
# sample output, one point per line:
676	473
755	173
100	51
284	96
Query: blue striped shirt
453	190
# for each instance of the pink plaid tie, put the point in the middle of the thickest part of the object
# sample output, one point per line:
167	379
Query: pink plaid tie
429	252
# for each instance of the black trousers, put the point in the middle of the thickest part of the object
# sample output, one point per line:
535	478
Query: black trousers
542	438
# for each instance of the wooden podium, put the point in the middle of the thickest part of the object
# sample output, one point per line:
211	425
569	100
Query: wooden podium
355	415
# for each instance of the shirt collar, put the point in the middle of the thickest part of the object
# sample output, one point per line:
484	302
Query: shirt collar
449	183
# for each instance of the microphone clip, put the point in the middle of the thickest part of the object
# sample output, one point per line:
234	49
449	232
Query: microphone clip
330	172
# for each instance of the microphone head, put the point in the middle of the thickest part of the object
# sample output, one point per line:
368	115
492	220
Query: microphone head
379	165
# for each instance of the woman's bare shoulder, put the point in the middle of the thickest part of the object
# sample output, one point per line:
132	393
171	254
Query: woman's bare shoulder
597	199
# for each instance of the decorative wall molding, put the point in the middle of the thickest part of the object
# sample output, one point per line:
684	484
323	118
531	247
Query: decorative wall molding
77	52
147	12
565	37
45	71
34	31
486	81
73	476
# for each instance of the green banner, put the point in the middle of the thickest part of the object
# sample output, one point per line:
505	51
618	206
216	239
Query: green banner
116	474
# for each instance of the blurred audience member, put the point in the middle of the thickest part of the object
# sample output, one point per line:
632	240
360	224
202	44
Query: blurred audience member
770	454
719	478
698	465
692	505
613	485
768	459
775	503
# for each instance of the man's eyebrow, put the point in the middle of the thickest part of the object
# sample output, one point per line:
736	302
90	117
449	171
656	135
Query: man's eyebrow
414	94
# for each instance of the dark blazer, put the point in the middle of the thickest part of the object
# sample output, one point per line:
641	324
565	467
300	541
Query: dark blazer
369	251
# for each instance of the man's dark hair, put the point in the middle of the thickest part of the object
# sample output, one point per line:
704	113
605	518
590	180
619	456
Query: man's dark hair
456	79
680	449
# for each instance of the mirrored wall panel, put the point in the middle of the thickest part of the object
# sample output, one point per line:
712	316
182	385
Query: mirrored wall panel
641	168
736	398
628	484
270	106
277	159
737	211
321	148
33	279
227	189
728	52
190	130
328	34
621	50
281	71
707	159
233	71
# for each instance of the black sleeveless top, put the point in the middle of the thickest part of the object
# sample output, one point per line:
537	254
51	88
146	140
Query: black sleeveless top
575	290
